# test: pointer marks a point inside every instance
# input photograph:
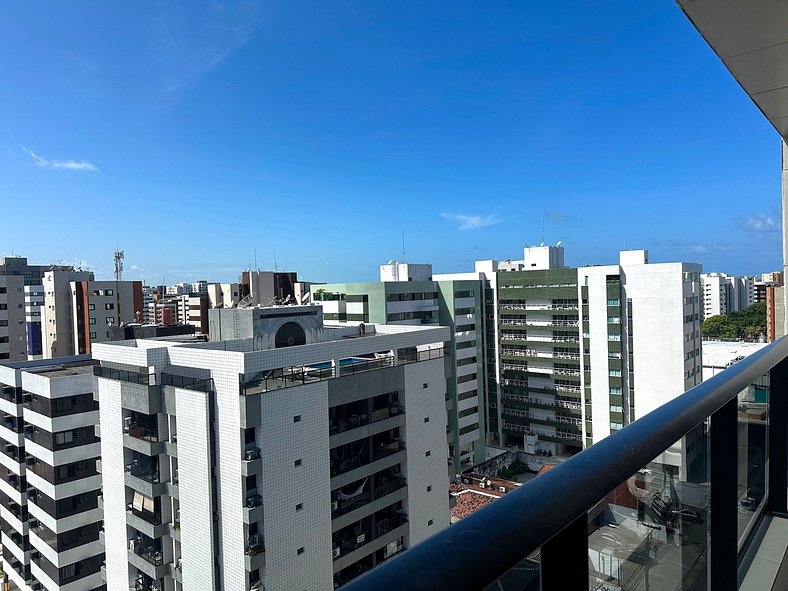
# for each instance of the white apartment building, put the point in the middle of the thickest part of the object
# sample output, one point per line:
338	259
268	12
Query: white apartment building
281	454
49	484
641	338
723	294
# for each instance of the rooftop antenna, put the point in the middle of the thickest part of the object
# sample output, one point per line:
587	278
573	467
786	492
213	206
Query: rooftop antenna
275	267
542	230
119	265
403	247
118	277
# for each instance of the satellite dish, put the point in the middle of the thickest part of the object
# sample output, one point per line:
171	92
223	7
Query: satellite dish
558	243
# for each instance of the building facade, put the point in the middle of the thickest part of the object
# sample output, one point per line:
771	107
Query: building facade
454	302
49	483
21	308
79	311
295	456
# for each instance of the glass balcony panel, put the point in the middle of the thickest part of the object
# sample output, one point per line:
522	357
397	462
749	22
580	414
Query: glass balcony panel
752	466
651	532
524	576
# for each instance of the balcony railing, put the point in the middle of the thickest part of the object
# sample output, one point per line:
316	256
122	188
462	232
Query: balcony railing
671	501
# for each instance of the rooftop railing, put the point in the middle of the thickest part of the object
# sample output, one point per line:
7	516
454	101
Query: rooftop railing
671	501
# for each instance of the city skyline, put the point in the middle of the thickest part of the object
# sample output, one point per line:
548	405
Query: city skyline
602	123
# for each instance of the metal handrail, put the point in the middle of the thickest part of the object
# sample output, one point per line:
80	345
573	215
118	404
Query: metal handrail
493	540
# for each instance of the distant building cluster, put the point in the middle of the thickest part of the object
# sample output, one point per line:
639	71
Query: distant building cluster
725	294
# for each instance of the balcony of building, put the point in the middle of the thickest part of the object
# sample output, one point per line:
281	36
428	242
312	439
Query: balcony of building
147	555
141	434
349	541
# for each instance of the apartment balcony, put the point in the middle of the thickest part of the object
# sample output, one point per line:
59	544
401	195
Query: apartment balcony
680	499
254	554
148	558
142	439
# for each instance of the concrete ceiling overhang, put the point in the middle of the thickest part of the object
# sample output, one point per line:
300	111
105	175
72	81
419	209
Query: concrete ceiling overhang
751	39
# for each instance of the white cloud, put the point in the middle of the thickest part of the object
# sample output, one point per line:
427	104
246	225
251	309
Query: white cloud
559	216
759	222
472	222
60	164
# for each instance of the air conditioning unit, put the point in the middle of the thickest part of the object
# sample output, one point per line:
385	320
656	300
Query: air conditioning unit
334	505
502	488
252	454
336	552
34	523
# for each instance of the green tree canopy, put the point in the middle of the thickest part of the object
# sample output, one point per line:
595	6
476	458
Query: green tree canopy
749	323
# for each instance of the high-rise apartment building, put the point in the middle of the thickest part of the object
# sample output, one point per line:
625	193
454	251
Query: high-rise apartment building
281	454
49	484
407	295
79	311
21	310
572	351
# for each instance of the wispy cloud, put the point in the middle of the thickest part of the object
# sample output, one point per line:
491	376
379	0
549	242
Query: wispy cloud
69	164
195	41
758	222
688	246
559	216
472	222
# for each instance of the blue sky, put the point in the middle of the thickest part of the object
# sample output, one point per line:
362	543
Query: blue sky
193	135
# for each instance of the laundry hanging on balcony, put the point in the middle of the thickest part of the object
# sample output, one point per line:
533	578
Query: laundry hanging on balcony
358	491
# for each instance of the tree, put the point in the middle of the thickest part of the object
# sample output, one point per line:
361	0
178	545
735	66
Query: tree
749	323
718	327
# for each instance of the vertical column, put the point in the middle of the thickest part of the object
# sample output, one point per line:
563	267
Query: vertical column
784	320
777	440
565	557
723	498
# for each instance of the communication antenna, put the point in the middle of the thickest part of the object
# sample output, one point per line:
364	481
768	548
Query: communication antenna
542	230
118	265
404	260
118	279
275	267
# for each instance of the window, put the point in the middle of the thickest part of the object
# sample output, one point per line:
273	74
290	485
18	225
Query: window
427	454
3	306
615	390
426	419
300	550
299	506
298	463
109	306
297	419
64	437
108	292
425	385
429	488
91	307
429	522
109	320
91	321
93	335
68	571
